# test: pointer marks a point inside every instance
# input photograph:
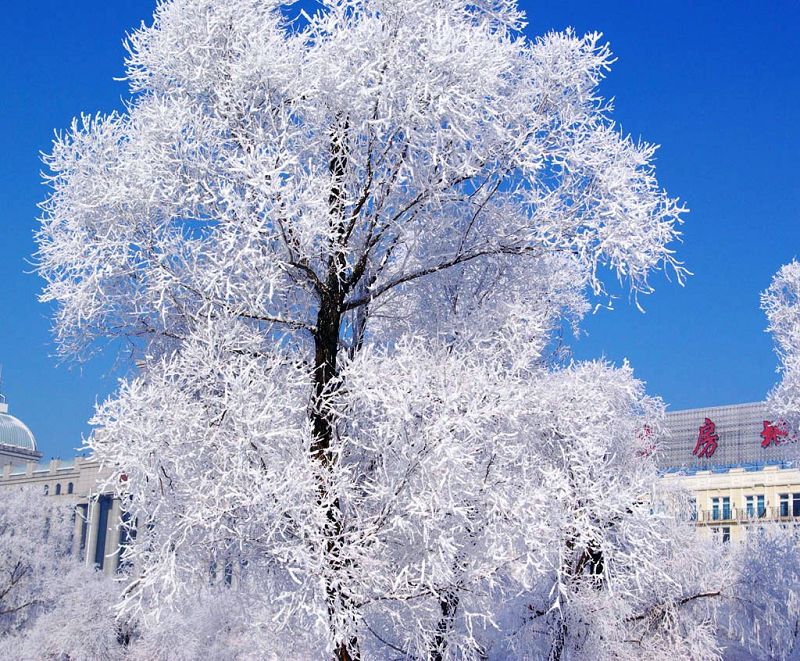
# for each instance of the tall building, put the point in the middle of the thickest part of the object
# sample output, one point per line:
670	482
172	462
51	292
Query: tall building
739	463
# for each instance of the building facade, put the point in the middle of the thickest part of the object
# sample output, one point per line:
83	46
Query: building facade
739	463
98	533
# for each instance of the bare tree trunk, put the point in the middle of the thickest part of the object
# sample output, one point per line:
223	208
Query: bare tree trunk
559	640
326	352
326	348
323	428
448	605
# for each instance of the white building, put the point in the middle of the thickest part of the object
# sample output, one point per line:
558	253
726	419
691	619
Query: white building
98	533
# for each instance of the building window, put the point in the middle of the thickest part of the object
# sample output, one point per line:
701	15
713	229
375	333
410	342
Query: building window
70	487
46	489
693	509
784	505
58	489
754	506
721	508
796	504
726	534
83	513
104	503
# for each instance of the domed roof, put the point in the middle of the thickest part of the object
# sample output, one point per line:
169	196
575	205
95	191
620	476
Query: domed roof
14	432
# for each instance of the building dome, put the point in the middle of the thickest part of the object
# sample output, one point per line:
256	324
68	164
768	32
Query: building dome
14	432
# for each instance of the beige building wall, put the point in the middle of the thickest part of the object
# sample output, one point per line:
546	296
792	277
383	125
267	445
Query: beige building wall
769	483
77	479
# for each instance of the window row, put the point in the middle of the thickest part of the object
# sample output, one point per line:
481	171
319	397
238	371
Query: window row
57	491
755	506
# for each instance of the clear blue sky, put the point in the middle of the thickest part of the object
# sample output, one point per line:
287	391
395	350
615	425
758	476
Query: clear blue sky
716	84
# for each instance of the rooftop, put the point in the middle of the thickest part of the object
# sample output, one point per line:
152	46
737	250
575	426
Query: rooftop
13	432
723	437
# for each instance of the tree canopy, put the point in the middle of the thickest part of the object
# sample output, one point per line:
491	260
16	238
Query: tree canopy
340	248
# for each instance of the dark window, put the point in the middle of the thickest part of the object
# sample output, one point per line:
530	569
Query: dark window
722	513
70	488
754	506
58	489
796	504
726	534
83	513
726	507
46	489
104	503
784	505
71	542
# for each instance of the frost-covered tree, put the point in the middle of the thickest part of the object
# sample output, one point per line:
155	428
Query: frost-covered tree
761	605
35	543
624	578
51	604
337	246
222	624
781	302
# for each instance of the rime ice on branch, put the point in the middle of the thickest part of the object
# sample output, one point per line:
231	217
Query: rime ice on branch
781	302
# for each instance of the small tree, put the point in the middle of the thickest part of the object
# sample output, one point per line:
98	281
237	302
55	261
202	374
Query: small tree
625	575
35	538
781	302
43	587
762	604
337	246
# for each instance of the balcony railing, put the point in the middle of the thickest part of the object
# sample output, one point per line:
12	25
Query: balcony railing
747	515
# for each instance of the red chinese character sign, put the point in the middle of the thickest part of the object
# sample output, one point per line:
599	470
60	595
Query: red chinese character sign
707	440
772	433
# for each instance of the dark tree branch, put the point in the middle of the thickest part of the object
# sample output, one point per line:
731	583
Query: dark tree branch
681	602
459	259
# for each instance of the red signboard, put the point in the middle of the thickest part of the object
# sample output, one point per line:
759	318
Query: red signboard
772	434
707	440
